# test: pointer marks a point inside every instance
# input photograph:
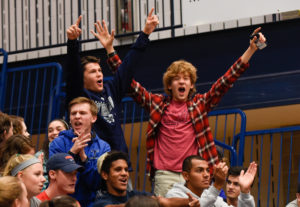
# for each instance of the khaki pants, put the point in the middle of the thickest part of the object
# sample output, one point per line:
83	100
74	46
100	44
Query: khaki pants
164	181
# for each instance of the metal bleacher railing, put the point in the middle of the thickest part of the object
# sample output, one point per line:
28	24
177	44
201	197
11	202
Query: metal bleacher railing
32	92
277	153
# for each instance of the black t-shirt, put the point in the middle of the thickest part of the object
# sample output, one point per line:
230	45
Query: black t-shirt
108	199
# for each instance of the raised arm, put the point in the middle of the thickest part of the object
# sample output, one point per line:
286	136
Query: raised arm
106	39
124	74
151	23
225	82
252	47
245	181
72	69
246	178
73	32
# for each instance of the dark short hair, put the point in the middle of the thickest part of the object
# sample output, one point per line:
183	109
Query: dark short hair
187	162
236	171
142	201
60	201
89	59
110	158
107	162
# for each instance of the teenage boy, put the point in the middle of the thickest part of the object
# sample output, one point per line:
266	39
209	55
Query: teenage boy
85	78
114	171
195	171
234	194
180	119
296	202
62	170
84	145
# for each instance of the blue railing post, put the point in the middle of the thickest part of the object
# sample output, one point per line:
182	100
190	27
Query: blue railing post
3	78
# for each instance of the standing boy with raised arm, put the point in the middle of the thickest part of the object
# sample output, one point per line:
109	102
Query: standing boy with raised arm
85	78
178	126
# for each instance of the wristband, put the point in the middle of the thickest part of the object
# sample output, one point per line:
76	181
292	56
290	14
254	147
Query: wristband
73	155
110	55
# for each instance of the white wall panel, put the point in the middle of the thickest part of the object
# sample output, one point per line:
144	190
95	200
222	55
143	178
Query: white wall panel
53	26
209	11
47	32
12	32
5	36
32	30
19	27
167	13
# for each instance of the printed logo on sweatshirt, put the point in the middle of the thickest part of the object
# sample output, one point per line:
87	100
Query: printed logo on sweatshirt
105	110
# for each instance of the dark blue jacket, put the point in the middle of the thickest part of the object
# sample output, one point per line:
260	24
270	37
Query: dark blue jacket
88	181
108	125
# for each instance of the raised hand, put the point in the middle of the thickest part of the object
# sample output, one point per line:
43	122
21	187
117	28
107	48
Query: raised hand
41	157
151	23
220	174
103	36
80	143
253	47
73	32
246	179
193	202
261	39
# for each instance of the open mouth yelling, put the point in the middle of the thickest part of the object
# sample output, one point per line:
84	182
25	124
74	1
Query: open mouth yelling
181	89
99	82
123	181
77	124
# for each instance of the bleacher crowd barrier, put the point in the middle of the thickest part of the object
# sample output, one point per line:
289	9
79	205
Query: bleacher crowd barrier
32	92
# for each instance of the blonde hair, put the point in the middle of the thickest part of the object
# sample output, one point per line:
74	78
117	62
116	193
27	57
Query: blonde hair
177	67
14	161
79	100
10	190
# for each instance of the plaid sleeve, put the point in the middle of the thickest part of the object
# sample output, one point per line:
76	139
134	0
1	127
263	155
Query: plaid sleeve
221	86
114	63
140	95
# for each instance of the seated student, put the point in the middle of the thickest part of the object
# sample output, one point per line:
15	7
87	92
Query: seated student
180	119
6	128
13	192
30	171
233	189
296	202
114	171
19	126
142	201
62	171
84	145
54	128
195	171
61	201
16	144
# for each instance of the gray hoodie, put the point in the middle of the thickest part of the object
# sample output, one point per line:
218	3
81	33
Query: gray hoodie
209	197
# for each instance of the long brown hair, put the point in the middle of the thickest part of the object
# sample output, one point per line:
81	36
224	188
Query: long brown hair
16	144
5	124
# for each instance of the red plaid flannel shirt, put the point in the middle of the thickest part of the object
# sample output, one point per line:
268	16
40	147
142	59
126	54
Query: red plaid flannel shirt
198	108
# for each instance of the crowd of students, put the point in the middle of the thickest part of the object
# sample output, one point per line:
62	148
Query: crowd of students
88	159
